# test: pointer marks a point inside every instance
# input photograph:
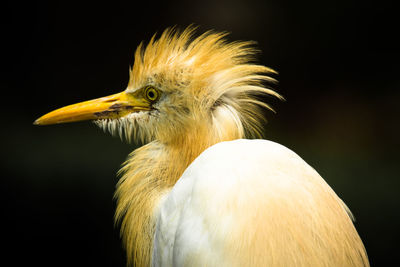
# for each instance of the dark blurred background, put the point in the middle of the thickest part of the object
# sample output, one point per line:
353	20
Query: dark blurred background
339	71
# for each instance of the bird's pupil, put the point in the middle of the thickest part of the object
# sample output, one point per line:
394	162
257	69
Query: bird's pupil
150	94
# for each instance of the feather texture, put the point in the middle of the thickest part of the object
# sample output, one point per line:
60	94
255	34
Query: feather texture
238	204
210	91
209	88
192	197
201	78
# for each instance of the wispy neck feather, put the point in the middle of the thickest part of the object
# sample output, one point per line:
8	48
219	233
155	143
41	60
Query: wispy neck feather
149	173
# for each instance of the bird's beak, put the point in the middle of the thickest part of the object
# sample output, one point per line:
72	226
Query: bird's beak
109	107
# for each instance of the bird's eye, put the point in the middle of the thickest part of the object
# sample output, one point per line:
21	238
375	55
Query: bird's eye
151	93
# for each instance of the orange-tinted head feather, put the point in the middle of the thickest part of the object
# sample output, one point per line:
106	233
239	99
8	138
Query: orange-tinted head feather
204	79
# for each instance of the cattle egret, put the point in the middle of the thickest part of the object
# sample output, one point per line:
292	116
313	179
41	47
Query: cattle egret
197	193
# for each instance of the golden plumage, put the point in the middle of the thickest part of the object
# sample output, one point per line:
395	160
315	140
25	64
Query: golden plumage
206	91
203	71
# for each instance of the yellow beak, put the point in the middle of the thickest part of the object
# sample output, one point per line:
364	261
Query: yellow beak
109	107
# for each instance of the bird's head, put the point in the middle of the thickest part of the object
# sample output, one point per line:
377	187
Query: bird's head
180	85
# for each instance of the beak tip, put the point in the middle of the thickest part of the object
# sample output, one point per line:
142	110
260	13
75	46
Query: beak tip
37	122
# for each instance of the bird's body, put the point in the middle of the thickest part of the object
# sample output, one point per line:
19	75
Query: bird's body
238	204
192	197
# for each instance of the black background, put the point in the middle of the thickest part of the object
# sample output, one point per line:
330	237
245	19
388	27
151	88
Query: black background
339	71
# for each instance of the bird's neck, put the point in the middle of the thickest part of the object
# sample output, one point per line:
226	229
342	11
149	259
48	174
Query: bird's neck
149	173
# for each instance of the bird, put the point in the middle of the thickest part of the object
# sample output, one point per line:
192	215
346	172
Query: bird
204	188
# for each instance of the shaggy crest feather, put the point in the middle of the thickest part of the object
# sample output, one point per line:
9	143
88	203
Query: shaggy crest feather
205	73
210	93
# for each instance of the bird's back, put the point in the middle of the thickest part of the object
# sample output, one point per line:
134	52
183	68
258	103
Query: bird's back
254	203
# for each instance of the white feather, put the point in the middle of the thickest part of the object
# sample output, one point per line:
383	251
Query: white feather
227	189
